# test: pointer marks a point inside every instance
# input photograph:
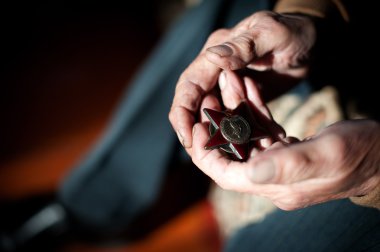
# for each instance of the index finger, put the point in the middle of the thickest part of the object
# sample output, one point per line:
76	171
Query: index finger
196	81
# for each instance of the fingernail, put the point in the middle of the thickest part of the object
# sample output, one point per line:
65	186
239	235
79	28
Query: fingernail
180	137
222	80
266	142
221	50
263	171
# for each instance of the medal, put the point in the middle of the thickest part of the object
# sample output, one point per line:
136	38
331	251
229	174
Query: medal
234	130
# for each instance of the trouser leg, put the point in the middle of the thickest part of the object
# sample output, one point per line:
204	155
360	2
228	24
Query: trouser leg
122	176
333	226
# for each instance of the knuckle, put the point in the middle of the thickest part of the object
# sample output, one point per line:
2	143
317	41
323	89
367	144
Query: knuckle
172	117
244	42
291	203
219	33
295	165
297	159
337	143
189	95
263	14
267	19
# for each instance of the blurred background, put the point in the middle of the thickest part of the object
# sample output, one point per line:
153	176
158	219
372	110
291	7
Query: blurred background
64	68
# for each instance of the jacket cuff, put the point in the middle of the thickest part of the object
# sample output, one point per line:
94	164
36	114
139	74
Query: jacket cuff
317	8
370	200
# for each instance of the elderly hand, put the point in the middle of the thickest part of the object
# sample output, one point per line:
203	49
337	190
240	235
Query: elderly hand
266	41
339	162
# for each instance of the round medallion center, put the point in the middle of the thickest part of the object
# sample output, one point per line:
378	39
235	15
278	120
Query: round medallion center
235	129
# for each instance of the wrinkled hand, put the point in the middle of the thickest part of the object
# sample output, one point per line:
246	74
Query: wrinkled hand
264	41
340	162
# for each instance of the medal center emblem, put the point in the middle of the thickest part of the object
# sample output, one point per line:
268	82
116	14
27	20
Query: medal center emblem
235	129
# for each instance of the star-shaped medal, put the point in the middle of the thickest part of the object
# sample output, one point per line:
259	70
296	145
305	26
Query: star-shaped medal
234	130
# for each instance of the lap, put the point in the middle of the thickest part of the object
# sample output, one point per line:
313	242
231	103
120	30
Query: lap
333	226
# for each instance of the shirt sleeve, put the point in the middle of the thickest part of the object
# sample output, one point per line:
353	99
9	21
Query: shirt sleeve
318	8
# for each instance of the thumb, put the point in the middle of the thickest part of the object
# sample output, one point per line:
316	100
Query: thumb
234	54
286	164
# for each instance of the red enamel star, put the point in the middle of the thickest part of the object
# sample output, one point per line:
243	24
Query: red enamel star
234	130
